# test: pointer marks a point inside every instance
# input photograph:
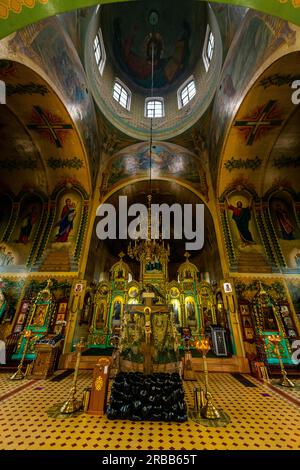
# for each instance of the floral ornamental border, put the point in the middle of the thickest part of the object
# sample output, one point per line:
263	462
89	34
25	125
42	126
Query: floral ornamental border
240	164
295	3
286	162
16	6
16	14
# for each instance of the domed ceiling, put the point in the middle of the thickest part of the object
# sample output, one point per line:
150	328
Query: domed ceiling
178	33
178	30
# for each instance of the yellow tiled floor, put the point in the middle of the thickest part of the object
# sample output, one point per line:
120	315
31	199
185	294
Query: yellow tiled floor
257	421
7	385
292	392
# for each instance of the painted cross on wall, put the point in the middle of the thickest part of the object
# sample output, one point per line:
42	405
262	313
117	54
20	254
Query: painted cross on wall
260	122
50	125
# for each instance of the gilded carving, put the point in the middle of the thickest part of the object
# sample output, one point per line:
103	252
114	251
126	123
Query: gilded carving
99	383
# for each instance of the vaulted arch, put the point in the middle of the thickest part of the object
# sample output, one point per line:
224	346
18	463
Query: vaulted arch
41	143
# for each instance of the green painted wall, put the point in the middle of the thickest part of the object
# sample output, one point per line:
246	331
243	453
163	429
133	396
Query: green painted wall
12	20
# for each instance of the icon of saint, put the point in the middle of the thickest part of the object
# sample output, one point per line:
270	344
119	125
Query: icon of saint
66	222
249	333
100	317
191	315
242	216
116	319
286	227
28	222
39	316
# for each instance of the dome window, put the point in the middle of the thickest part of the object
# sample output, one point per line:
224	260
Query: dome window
99	51
186	92
122	94
209	47
154	108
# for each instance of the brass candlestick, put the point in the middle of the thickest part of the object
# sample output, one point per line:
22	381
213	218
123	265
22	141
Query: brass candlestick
275	340
19	374
208	411
199	399
72	404
196	400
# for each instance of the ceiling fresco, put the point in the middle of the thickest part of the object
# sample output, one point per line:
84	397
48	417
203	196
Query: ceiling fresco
41	146
168	161
229	18
176	30
260	37
133	121
112	140
283	167
246	132
19	155
263	143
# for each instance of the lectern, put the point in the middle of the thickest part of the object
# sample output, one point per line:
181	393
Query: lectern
47	351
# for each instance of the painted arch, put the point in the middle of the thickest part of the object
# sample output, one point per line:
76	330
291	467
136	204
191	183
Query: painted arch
41	142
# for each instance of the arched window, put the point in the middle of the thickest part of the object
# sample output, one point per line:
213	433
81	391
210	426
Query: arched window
99	51
209	47
122	94
154	108
186	92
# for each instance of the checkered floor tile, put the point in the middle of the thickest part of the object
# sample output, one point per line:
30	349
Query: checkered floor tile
260	420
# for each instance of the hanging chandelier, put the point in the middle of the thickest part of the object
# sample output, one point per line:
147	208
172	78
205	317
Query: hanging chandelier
150	249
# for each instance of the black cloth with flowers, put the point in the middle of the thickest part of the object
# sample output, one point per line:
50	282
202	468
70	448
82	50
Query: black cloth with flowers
139	397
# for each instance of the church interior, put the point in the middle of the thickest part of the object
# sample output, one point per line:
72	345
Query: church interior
119	344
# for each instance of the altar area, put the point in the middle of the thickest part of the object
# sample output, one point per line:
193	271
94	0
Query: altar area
126	308
188	305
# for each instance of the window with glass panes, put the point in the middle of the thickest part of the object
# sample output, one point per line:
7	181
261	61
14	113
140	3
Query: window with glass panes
210	46
187	93
155	108
121	95
99	52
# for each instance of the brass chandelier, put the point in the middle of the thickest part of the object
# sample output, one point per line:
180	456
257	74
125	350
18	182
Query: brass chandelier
149	249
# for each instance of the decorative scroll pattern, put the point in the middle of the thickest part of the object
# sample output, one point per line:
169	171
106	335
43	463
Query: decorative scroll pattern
295	3
14	14
16	6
